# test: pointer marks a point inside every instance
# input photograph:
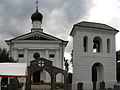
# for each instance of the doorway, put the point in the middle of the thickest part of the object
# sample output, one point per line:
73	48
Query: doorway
36	77
97	75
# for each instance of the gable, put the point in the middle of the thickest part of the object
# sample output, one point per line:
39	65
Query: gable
37	36
93	26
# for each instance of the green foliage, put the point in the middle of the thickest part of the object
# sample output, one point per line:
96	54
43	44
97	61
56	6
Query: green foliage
60	85
4	56
118	65
4	81
94	85
118	55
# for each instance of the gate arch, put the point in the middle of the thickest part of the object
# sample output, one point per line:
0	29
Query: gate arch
44	64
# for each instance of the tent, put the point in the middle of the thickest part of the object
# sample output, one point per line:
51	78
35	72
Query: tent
13	70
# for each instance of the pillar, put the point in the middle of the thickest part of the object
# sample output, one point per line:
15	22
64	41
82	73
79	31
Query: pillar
46	54
53	82
57	58
28	81
15	54
66	82
26	55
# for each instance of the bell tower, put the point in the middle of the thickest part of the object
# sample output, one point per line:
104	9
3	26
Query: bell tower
94	55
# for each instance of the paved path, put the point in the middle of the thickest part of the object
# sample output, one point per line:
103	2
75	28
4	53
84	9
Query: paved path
42	87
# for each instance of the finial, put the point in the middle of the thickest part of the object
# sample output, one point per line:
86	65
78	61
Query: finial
37	5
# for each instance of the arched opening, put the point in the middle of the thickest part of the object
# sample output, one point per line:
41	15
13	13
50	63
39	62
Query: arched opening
85	43
45	65
47	77
97	75
36	77
60	81
40	81
97	72
108	45
97	45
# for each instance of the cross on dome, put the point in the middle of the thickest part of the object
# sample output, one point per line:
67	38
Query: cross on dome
37	4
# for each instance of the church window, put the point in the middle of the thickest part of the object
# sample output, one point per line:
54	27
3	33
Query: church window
85	43
97	45
51	55
20	55
108	45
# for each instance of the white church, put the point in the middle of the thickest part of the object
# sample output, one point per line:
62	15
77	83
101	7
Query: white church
94	57
23	47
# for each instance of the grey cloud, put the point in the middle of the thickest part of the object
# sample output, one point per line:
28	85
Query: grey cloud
59	16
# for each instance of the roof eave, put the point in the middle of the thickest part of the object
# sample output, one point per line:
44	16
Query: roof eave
72	31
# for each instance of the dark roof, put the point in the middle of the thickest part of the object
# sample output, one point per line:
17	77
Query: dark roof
95	25
37	16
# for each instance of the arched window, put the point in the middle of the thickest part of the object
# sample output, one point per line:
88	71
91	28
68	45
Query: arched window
97	45
85	43
108	45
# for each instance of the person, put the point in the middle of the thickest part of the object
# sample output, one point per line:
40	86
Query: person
66	65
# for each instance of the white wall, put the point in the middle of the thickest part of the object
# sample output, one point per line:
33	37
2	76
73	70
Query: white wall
83	61
43	48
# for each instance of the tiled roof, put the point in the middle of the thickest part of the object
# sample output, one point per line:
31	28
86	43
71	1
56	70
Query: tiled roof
95	25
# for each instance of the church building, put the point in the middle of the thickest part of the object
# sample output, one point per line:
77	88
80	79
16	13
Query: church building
23	47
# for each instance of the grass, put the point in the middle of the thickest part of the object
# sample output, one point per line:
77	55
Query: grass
60	85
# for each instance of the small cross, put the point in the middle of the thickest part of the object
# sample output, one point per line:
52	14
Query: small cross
41	63
37	4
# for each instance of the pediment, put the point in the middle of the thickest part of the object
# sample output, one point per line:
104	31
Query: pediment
36	36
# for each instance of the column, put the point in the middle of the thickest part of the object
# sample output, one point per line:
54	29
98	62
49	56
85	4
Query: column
90	44
53	82
46	54
57	59
104	45
26	56
44	73
15	54
60	58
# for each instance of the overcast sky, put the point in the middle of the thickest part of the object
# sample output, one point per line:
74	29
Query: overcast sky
58	17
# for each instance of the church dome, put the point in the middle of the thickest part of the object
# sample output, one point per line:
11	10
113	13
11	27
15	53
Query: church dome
37	16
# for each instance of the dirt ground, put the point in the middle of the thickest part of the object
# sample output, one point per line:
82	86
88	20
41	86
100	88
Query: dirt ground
42	87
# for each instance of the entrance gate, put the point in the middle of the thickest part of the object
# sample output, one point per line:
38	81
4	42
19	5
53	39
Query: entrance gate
43	64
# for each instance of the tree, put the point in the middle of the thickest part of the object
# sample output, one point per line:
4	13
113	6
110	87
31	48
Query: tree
118	64
4	56
71	57
117	55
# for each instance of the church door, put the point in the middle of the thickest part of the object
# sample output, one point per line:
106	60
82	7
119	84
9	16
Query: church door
36	77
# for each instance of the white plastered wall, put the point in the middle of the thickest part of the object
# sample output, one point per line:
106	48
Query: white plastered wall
83	61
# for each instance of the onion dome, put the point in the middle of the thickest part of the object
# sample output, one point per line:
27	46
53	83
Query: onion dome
37	16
